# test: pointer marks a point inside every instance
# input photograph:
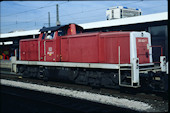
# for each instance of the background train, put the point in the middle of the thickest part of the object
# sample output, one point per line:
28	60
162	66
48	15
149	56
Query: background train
101	59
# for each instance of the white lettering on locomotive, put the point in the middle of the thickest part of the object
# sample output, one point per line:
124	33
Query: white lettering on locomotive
142	40
50	51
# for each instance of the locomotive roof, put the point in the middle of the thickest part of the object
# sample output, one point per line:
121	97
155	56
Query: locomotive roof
55	28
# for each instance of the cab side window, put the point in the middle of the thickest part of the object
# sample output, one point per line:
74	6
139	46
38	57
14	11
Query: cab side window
43	36
50	35
62	32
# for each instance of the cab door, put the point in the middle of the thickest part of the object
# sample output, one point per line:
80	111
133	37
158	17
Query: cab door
50	48
142	46
50	51
41	42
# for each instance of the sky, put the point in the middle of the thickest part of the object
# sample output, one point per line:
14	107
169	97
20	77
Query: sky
30	15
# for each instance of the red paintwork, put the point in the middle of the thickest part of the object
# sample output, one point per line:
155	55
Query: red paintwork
80	48
41	47
111	42
53	49
86	47
71	30
29	49
33	49
142	49
100	47
96	47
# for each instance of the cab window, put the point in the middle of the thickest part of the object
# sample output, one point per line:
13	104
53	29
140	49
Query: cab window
62	32
43	36
50	35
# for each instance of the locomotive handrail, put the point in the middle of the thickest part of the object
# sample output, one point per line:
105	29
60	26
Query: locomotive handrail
161	52
160	47
146	64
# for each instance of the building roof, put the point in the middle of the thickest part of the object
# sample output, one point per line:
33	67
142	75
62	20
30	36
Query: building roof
127	21
20	33
100	24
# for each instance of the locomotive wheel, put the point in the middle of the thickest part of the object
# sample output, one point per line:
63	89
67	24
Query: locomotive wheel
45	74
81	79
107	82
73	76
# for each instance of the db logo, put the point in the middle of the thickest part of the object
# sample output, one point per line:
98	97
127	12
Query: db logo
50	51
49	48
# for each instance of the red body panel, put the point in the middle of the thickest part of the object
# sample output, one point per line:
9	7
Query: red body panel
29	50
58	49
100	47
85	48
96	48
142	50
50	46
41	50
112	41
80	48
50	49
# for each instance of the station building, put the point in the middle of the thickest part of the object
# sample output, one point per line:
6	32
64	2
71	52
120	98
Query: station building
156	24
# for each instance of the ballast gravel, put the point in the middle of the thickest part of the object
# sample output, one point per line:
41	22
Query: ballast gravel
109	100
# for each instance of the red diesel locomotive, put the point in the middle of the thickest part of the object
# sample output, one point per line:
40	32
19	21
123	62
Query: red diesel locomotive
103	59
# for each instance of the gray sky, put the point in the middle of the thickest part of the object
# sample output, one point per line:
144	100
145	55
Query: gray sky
29	15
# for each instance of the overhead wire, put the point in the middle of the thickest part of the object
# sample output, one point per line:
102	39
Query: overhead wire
91	11
76	18
76	13
79	13
31	10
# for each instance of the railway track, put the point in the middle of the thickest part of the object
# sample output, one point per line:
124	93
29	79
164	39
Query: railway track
105	91
55	103
157	100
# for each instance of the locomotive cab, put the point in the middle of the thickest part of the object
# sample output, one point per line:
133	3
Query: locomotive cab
47	46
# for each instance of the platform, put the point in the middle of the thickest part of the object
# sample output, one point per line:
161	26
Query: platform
83	95
5	64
